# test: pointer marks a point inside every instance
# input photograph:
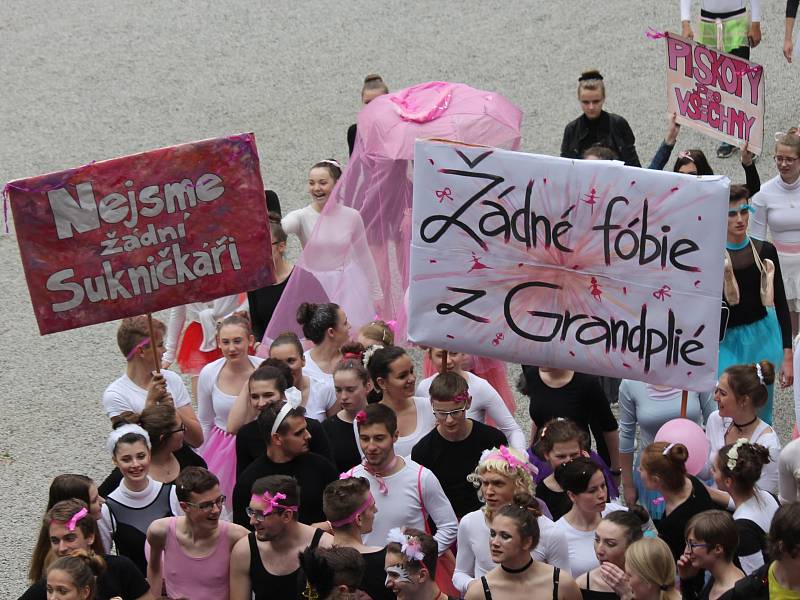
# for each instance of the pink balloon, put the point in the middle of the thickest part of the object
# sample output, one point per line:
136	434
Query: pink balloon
691	435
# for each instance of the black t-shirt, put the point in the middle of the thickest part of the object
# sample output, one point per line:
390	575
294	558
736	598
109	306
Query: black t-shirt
250	443
582	400
451	462
186	458
262	303
374	580
311	471
558	503
672	527
121	578
343	443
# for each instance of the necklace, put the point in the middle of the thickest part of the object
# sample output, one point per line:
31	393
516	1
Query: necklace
743	425
520	570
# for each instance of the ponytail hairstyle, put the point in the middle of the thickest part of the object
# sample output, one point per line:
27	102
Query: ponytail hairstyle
717	528
353	360
524	511
83	568
316	319
239	320
695	156
666	461
328	568
742	462
791	139
651	559
559	431
574	476
751	380
591	80
332	166
379	332
632	522
158	420
379	362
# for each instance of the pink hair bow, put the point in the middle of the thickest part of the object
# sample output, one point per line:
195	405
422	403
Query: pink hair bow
273	502
514	462
655	34
361	416
390	324
73	522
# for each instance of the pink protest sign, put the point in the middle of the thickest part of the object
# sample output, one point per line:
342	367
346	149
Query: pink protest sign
144	232
719	94
585	265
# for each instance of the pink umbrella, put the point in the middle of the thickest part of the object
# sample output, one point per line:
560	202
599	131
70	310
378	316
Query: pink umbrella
359	250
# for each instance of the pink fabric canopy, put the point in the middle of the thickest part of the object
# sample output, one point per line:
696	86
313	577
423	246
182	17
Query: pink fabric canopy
358	254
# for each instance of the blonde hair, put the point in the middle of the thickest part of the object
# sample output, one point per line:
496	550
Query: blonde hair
791	139
493	463
591	80
651	559
378	331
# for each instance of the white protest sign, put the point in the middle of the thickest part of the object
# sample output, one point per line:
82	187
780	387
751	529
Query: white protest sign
584	265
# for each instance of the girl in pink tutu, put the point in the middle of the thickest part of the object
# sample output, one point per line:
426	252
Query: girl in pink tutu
218	386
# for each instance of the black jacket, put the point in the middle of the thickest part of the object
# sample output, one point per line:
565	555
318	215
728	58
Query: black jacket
614	129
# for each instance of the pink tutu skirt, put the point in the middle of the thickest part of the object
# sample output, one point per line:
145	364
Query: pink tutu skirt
219	452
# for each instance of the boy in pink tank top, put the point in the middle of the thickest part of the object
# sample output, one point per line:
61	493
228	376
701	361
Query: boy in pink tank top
190	555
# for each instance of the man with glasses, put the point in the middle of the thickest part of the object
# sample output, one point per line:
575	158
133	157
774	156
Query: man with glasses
453	448
191	554
266	563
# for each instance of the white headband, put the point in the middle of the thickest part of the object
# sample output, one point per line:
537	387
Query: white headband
281	416
114	436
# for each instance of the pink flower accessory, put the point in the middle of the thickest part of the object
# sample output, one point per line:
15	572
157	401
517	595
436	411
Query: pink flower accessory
410	546
73	522
361	416
273	502
654	34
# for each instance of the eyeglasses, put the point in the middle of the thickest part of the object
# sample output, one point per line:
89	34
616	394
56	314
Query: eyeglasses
692	545
787	160
260	515
208	506
742	210
180	429
443	414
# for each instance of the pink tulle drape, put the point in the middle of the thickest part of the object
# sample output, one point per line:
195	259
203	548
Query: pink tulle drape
358	254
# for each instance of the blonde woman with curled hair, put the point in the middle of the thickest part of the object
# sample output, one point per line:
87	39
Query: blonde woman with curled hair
500	475
649	572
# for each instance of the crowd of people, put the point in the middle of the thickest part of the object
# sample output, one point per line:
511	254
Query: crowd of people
324	467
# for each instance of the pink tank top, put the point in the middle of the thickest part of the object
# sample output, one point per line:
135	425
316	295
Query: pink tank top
203	578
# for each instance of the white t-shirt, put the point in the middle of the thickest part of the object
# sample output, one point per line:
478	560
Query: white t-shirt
213	405
764	435
321	397
485	401
789	471
400	507
123	394
475	560
312	370
581	543
759	509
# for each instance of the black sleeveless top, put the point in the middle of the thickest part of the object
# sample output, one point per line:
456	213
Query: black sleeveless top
556	573
129	525
558	503
267	586
590	594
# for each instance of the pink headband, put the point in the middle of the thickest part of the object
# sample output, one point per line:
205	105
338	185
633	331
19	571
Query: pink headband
505	454
359	511
272	502
75	518
136	348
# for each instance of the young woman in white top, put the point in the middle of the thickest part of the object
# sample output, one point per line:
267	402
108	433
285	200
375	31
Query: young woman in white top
392	374
776	213
312	393
326	325
736	470
219	384
514	534
321	179
585	484
789	472
486	402
741	391
501	474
